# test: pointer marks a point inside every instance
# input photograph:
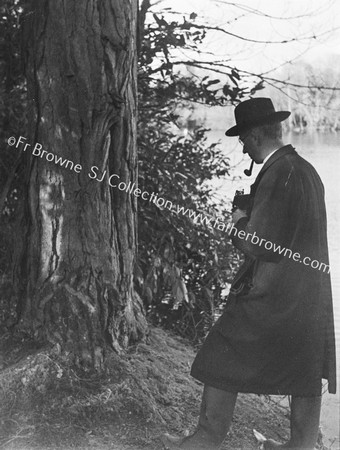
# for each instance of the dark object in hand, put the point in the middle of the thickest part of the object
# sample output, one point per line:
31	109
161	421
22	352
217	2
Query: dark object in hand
241	201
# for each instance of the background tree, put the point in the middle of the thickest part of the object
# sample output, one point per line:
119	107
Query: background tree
312	108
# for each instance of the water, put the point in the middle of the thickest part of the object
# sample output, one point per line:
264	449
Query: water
323	151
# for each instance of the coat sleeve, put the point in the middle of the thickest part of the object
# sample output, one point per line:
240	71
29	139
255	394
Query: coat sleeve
273	217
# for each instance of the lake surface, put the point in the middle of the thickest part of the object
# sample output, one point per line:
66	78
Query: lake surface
323	151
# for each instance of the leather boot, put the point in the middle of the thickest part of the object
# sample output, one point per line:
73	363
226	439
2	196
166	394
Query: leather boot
270	444
217	409
199	440
304	422
304	425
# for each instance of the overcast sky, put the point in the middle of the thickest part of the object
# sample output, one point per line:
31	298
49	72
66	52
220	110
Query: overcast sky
266	20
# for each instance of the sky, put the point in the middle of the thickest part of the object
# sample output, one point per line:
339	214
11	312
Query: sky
266	20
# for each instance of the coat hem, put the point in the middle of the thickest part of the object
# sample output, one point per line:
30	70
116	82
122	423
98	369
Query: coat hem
249	388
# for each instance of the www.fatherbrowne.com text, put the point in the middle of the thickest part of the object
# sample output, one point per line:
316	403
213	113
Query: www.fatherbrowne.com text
95	174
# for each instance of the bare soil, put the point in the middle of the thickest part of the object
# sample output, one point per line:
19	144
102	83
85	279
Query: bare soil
46	404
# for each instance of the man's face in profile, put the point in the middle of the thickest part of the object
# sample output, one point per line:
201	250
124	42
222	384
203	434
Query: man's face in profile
251	141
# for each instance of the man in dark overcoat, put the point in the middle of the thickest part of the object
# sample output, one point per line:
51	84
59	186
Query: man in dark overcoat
276	335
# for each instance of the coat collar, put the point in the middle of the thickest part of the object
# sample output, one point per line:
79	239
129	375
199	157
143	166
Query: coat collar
285	150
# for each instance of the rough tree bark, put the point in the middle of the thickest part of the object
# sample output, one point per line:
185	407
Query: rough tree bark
78	251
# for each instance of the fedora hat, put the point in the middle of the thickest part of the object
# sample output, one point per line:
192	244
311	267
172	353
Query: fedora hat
253	113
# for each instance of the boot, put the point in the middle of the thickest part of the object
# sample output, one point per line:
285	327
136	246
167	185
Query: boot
217	409
304	422
304	425
270	444
199	440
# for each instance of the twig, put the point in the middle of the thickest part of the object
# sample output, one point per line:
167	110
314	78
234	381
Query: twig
17	436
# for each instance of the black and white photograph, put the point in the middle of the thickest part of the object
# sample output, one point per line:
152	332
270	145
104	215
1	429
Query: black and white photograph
169	224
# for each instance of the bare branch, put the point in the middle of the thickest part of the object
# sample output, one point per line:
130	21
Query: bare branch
296	100
263	14
289	83
242	38
285	63
209	65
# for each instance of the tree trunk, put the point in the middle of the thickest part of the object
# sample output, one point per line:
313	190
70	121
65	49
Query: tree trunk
79	252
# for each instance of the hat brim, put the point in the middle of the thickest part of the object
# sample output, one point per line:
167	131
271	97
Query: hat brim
275	117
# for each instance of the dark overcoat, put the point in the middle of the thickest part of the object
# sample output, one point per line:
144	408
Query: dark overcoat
276	335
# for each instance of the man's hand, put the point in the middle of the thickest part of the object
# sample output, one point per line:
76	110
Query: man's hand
237	215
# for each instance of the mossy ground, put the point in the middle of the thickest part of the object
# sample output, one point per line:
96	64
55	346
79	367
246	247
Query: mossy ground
45	404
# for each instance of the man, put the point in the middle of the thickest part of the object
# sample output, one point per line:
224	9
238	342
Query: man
276	335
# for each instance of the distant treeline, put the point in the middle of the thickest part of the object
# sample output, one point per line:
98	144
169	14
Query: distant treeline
312	108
